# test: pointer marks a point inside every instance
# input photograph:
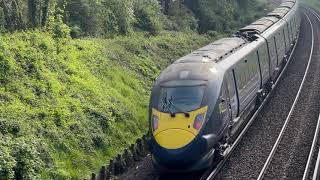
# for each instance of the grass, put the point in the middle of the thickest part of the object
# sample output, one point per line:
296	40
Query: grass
68	106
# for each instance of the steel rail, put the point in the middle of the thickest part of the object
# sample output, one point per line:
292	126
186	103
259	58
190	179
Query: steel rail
219	166
275	146
316	173
316	135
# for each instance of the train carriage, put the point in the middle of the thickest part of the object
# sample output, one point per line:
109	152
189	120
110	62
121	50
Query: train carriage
202	101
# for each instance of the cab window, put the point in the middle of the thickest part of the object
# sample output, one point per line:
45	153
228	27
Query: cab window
180	99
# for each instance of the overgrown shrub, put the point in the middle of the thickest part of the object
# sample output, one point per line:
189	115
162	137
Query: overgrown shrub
19	159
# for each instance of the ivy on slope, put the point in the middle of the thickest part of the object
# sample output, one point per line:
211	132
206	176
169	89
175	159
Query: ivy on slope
68	106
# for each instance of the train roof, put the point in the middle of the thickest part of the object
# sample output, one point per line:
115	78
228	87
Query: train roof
288	4
214	51
219	49
189	71
260	25
200	64
280	12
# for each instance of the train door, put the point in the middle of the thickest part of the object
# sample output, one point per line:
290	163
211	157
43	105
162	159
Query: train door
232	95
273	53
224	106
293	27
264	63
281	46
248	79
285	39
289	25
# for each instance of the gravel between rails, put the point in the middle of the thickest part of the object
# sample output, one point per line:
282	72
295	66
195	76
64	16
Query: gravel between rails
248	158
293	151
317	148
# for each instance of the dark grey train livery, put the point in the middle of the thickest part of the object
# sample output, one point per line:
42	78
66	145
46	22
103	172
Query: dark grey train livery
202	101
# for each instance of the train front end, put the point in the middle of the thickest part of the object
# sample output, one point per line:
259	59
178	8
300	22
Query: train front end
180	111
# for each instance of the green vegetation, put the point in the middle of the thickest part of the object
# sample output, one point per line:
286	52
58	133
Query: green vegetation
67	111
75	75
108	18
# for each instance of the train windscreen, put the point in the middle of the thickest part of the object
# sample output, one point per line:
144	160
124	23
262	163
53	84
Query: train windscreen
180	99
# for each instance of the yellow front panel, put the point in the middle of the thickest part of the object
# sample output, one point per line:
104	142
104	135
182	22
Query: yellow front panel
176	132
174	138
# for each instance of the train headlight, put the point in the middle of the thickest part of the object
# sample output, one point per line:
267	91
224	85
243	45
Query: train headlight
155	122
198	121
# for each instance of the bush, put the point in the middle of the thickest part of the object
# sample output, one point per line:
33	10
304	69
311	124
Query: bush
7	162
19	159
76	32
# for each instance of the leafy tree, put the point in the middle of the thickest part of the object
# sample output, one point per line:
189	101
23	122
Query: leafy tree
243	3
148	16
16	16
45	12
182	16
2	21
120	17
81	13
32	12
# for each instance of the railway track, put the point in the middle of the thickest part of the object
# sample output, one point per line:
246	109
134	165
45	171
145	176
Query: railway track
249	158
268	170
289	110
316	172
312	169
291	148
212	174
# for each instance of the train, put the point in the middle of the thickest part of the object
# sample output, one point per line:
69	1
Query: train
200	103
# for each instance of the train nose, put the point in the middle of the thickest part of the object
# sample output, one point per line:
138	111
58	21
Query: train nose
174	138
195	155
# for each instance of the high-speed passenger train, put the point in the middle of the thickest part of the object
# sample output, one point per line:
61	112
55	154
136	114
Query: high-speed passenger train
203	100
